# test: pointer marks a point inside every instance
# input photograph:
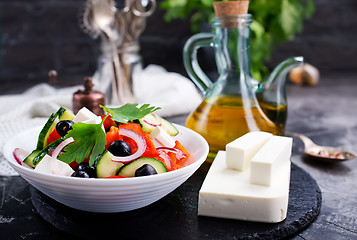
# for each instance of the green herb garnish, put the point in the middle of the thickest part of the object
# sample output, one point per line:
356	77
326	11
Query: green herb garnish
89	140
130	112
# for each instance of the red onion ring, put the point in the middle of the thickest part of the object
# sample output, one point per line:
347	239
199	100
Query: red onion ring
179	153
151	124
158	119
56	152
19	155
140	141
166	158
60	146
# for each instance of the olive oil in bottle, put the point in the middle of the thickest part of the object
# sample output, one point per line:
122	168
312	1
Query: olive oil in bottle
235	103
224	119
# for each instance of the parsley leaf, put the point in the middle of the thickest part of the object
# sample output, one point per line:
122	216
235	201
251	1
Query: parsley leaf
89	139
129	112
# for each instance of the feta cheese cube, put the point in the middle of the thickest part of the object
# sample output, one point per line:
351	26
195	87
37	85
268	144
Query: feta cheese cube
62	168
94	120
240	151
84	114
268	160
162	136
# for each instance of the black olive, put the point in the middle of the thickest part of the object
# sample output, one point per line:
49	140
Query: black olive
82	166
62	127
91	172
145	170
119	148
81	173
84	170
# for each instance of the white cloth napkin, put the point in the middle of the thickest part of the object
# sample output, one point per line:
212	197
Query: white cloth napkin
172	92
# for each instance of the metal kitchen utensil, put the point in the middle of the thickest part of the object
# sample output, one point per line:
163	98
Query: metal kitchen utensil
322	153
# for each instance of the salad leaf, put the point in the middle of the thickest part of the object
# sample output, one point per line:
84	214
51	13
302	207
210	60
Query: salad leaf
89	140
129	112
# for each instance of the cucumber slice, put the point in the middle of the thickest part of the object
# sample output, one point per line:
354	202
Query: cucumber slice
106	167
29	159
150	121
61	114
47	128
169	127
67	115
128	170
45	151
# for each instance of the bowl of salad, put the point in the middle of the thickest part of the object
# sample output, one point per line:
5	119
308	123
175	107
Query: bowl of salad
123	160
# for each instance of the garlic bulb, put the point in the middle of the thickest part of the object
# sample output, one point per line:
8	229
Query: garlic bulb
305	75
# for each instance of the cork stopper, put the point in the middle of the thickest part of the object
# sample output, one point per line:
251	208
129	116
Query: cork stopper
231	8
88	98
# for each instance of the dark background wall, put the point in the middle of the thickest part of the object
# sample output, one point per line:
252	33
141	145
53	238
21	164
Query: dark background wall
40	35
329	38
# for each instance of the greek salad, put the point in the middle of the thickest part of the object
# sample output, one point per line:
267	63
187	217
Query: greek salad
127	141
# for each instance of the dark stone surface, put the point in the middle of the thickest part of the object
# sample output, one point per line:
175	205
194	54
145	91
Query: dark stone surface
327	113
18	217
176	213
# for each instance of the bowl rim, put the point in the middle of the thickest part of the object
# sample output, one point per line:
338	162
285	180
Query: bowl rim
29	173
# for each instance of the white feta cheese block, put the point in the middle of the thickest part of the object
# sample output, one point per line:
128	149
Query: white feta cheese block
162	137
227	193
62	168
240	151
84	114
156	143
94	120
267	161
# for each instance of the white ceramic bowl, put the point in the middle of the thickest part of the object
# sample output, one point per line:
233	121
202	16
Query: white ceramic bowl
108	195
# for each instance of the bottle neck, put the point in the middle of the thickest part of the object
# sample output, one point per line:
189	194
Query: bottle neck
233	45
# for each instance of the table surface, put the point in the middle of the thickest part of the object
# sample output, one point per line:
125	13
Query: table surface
326	113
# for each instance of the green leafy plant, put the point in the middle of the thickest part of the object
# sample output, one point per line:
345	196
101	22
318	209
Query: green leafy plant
274	22
89	141
129	112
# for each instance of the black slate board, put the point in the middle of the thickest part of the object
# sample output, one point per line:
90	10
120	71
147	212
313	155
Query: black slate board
175	216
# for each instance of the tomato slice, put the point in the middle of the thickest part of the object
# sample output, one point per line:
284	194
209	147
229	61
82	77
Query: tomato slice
132	144
174	160
179	146
53	136
150	147
136	127
73	165
108	122
116	177
112	135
